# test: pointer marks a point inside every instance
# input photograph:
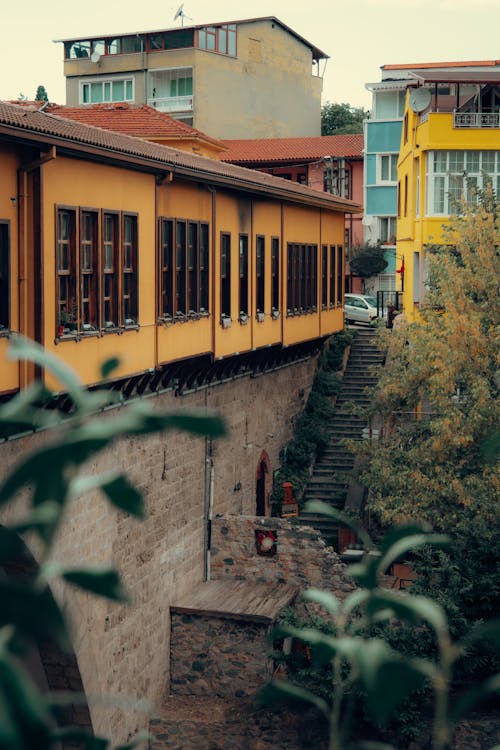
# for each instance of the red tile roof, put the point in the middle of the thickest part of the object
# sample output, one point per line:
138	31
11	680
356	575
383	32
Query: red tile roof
140	121
461	64
40	127
262	150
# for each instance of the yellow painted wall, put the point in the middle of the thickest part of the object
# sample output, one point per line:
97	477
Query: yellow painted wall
8	212
77	183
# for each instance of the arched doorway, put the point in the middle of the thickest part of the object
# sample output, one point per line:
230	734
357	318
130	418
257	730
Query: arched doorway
262	485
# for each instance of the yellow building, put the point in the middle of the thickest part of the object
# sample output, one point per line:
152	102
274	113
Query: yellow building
115	246
450	143
253	78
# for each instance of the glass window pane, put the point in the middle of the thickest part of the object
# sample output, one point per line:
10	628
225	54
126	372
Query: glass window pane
107	91
384	167
118	91
128	90
96	93
114	46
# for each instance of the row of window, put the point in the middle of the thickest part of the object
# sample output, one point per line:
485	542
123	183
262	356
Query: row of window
220	39
164	84
96	270
454	175
244	275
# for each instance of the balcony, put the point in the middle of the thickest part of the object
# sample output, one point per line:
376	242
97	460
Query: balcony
172	104
476	119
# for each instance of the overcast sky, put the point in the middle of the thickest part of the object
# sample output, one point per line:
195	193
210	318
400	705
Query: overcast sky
358	35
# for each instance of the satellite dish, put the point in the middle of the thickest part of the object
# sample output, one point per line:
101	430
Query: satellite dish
179	12
95	56
419	99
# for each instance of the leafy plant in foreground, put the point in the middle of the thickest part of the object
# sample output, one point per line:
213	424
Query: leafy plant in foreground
360	660
50	478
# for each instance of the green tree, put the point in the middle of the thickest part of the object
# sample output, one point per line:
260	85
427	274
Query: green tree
367	261
338	119
443	370
41	94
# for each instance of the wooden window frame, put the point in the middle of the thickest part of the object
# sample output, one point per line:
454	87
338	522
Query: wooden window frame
243	279
333	271
89	277
129	297
225	275
66	273
260	274
324	276
5	295
340	276
110	290
166	258
275	274
302	278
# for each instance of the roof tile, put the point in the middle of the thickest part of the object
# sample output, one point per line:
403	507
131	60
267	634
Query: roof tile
311	148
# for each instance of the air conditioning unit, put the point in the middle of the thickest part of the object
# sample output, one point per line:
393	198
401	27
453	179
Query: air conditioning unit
226	322
260	317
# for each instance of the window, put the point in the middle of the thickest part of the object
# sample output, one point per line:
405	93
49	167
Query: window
275	274
324	276
225	275
302	278
243	274
387	230
220	39
260	266
333	266
89	269
168	84
453	175
109	270
340	274
4	276
129	270
95	252
67	306
110	90
184	268
388	168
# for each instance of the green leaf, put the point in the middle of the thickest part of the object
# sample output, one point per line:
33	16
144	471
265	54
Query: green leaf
278	691
327	600
316	506
402	532
473	698
19	602
483	631
109	366
355	600
372	746
24	705
81	737
116	487
44	518
103	582
387	677
404	545
135	741
11	545
22	348
411	608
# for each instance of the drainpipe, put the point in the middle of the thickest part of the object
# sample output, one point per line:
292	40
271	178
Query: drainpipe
209	503
23	252
283	278
251	269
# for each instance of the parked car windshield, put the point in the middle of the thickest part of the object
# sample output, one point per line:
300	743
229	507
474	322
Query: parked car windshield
371	301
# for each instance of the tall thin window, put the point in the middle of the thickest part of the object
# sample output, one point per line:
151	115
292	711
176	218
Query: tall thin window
275	273
129	271
89	316
340	275
225	275
243	275
180	267
67	307
302	267
166	268
193	266
324	276
4	276
260	261
204	268
110	270
333	268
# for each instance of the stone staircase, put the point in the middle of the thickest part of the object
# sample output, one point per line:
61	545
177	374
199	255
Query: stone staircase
332	471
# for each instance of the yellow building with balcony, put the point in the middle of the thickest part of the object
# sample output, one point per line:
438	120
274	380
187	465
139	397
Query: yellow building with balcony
450	144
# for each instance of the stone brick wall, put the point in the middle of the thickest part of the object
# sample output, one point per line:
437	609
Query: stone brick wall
301	555
123	652
218	656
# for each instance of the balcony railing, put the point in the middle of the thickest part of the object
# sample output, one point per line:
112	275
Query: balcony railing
172	103
476	119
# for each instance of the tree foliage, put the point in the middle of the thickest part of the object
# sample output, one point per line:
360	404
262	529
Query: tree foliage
367	261
41	94
339	119
51	477
439	467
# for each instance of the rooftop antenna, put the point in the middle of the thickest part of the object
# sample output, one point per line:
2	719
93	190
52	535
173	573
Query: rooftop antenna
179	13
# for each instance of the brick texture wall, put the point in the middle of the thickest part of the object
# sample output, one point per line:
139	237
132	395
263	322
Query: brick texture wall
123	652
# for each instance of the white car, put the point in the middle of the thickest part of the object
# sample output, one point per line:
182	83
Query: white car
360	308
